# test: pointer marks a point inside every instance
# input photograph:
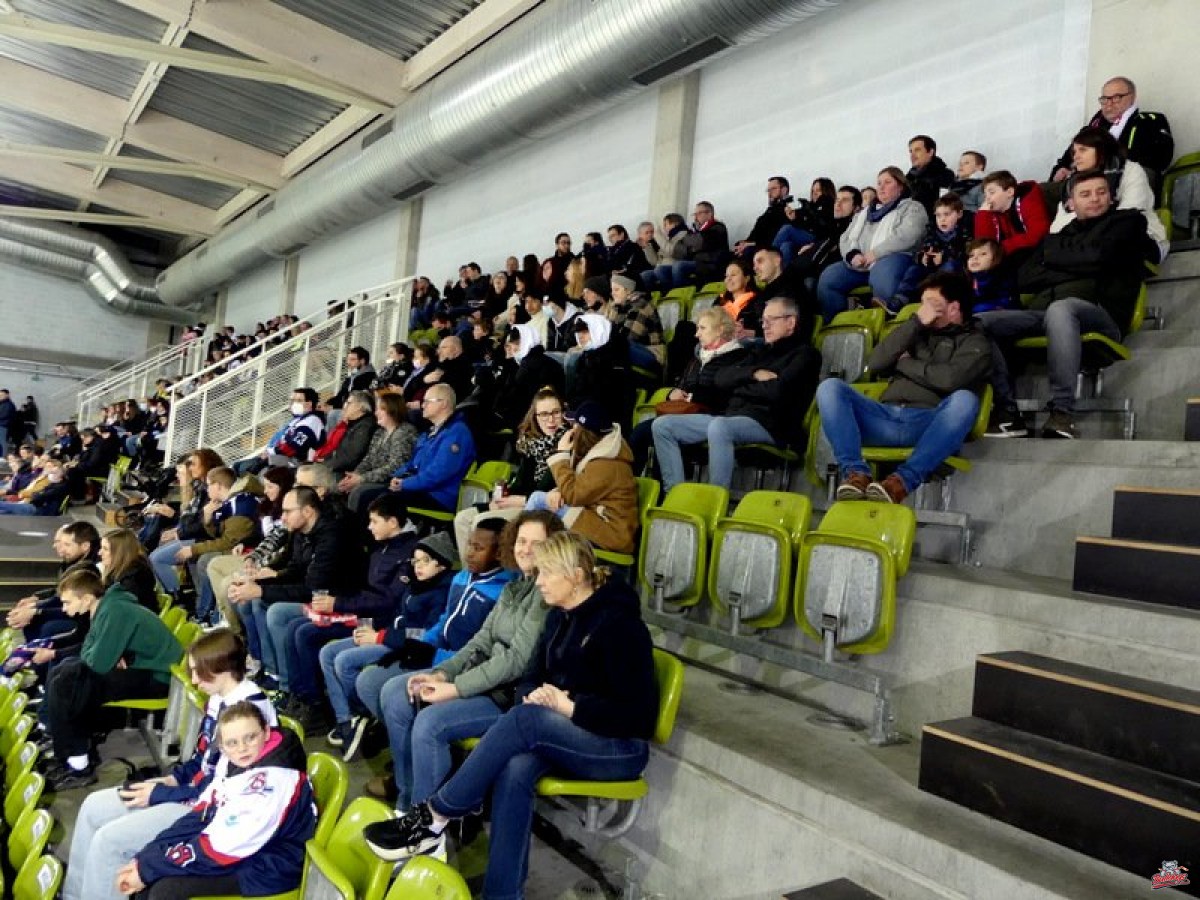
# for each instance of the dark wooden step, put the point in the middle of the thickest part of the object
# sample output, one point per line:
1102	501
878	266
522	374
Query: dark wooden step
841	889
1140	721
1138	570
1191	421
1125	815
1157	515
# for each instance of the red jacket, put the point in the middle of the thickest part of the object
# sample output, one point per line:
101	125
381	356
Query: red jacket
1022	226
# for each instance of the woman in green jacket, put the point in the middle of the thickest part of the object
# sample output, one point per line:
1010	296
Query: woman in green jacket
460	698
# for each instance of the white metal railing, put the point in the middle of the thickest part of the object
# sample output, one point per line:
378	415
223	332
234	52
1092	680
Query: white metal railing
236	412
125	381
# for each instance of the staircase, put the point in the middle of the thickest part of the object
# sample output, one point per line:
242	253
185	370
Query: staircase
1154	552
27	562
235	412
1099	762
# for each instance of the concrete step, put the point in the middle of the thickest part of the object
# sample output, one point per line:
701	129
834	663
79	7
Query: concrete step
1122	814
1152	572
1029	498
1171	516
841	889
779	803
1182	262
1147	723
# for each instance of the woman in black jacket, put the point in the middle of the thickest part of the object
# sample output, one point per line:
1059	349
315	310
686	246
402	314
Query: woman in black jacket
124	562
589	709
526	371
601	372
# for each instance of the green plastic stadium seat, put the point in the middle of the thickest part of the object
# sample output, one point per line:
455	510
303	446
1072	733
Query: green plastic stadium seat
477	487
647	498
675	542
26	794
425	878
39	879
29	836
754	555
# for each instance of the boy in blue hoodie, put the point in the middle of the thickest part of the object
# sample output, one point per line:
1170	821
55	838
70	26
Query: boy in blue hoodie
943	250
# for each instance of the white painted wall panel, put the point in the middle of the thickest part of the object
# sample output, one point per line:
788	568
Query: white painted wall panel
255	297
354	260
841	95
45	312
585	180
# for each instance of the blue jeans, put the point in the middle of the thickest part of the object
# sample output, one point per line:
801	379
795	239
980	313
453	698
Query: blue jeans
420	741
525	743
643	357
788	241
305	641
851	421
12	508
342	661
537	500
370	683
275	640
162	560
1062	323
670	275
254	622
722	434
836	282
206	600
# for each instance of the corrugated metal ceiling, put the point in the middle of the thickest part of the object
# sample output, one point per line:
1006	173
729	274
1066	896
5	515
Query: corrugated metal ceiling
397	27
195	190
28	128
14	192
110	74
271	117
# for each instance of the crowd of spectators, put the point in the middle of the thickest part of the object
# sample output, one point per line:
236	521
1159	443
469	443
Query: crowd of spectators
337	590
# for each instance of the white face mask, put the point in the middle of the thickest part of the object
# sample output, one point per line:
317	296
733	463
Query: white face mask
54	479
297	409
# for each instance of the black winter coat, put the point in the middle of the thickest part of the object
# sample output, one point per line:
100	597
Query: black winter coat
519	383
778	404
604	375
315	561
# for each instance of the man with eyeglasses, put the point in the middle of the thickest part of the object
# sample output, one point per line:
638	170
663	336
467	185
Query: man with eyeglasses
767	225
1146	136
768	393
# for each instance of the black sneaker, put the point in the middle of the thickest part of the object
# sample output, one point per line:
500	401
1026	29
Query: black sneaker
1061	424
337	735
354	735
64	778
410	835
1006	423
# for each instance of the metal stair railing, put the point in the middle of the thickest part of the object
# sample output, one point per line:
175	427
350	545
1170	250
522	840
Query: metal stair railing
125	381
235	412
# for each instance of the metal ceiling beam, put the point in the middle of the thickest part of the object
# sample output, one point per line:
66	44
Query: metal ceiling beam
72	181
126	163
337	130
274	34
49	96
26	28
93	218
238	205
473	29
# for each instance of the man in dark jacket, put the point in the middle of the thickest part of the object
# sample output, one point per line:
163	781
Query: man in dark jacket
624	256
348	442
315	564
8	419
936	362
929	174
767	392
1086	278
1146	136
359	376
767	225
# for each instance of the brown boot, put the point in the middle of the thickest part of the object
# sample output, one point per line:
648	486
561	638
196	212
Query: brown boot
854	487
890	490
382	787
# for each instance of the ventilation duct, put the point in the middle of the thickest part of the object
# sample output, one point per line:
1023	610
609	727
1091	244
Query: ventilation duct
88	258
564	62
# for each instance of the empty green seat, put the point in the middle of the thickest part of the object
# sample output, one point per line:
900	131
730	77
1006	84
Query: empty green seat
20	761
345	867
477	487
754	556
426	878
675	542
849	565
15	732
39	879
847	341
29	836
24	795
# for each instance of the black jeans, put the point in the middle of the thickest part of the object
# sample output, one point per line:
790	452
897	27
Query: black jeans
76	695
183	887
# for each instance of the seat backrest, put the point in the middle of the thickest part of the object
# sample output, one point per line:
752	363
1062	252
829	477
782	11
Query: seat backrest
979	428
29	836
683	294
871	320
25	795
789	511
708	501
668	672
844	353
15	732
330	780
1139	311
648	490
18	762
173	617
670	311
293	726
892	524
348	852
39	879
425	878
12	707
702	302
187	633
675	540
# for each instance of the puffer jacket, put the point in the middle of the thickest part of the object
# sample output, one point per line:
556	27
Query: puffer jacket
236	521
500	652
601	493
925	365
899	231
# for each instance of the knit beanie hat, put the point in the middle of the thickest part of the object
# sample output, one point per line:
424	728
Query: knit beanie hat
440	546
626	282
600	285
